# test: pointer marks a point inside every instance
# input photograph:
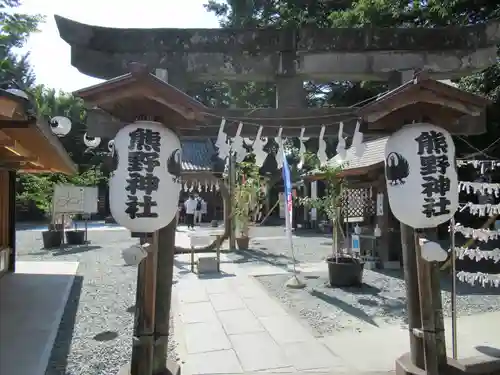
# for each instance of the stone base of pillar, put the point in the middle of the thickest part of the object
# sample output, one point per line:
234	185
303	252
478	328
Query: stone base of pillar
476	365
172	368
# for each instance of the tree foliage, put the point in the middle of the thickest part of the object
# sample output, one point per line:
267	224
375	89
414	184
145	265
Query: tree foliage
369	13
39	188
15	29
15	70
246	195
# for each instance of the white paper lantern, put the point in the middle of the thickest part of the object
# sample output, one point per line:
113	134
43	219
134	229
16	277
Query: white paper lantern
91	142
144	188
422	183
133	255
60	125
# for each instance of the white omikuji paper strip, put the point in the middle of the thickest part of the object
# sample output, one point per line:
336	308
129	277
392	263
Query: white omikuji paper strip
478	163
479	187
483	209
477	254
483	279
483	235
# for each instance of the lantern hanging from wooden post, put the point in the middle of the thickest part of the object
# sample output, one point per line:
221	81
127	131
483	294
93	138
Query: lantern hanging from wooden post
145	185
422	183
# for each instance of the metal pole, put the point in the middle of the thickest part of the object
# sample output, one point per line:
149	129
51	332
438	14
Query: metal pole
86	229
232	183
63	230
453	290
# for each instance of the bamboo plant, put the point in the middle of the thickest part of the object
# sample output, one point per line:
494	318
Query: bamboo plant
331	203
246	196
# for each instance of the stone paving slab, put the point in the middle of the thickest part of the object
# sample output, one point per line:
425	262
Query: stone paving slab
205	337
234	321
216	362
258	351
285	329
473	332
240	321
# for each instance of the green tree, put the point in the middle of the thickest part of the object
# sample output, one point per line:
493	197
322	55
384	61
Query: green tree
378	13
40	188
14	32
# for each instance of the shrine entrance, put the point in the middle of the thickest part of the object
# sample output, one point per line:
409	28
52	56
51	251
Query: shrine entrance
415	98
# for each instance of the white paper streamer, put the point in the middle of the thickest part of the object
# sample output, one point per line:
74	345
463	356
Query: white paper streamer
479	163
258	148
221	142
477	254
483	279
483	209
479	187
237	145
483	235
302	148
279	153
357	142
322	156
341	145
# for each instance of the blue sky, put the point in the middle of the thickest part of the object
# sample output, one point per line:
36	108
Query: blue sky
50	55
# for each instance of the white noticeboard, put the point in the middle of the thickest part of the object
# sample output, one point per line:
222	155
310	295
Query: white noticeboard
72	199
90	198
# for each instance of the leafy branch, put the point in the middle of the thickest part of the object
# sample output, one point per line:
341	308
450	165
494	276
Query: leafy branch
246	195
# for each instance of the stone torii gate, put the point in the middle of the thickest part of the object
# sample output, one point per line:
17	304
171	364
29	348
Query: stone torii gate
286	57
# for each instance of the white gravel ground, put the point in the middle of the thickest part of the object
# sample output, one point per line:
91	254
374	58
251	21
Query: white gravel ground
381	301
94	337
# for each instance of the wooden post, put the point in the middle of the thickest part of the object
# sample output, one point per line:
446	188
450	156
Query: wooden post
412	294
436	305
12	220
164	280
143	342
410	264
232	184
427	311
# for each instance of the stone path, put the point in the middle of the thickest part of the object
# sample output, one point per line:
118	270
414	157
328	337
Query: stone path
230	325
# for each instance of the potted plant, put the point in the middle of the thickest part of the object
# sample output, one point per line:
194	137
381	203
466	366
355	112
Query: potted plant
245	203
75	237
344	269
38	189
53	236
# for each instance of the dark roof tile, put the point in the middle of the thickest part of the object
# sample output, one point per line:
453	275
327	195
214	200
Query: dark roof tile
197	155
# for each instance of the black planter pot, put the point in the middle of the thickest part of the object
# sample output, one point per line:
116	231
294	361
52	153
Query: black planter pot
345	271
243	242
214	223
75	237
52	238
